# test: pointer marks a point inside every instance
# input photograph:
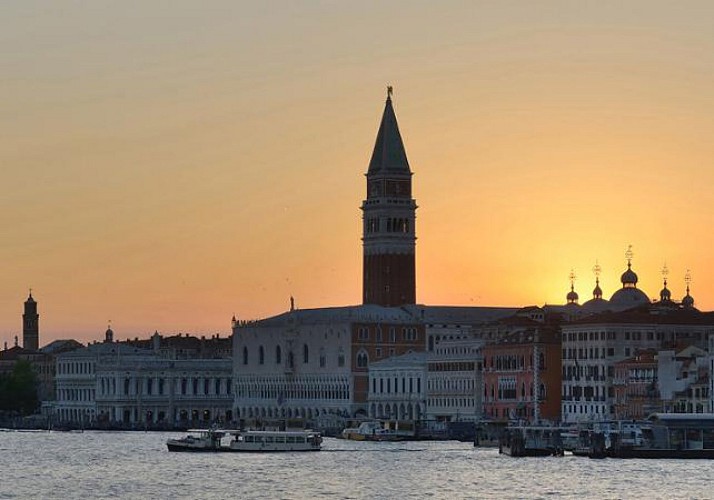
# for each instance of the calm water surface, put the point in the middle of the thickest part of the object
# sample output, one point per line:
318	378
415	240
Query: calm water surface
137	465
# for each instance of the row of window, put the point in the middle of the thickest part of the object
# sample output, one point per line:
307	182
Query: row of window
634	335
75	394
278	357
513	362
452	402
75	368
451	385
408	334
507	390
336	391
149	386
385	386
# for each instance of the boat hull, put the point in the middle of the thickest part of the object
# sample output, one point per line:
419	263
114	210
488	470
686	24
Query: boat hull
661	453
193	449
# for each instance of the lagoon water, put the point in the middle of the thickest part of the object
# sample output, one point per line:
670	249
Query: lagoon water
137	465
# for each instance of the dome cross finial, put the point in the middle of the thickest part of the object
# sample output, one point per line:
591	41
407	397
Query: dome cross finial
629	254
597	269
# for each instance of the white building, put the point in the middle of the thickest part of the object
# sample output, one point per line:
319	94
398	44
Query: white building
118	384
314	362
397	387
683	380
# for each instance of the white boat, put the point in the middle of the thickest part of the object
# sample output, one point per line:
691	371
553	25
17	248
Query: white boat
265	441
374	430
198	440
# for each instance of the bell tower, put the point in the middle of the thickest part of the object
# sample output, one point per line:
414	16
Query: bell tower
389	216
31	325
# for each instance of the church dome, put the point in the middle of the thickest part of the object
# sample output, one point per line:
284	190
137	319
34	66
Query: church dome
665	295
688	301
572	296
597	291
596	305
627	297
629	277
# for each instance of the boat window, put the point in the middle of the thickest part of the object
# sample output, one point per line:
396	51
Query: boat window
268	439
279	439
249	439
290	439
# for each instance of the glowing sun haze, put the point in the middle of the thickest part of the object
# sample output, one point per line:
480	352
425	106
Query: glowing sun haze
166	165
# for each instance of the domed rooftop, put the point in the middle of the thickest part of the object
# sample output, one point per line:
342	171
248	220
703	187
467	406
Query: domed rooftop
688	301
627	297
665	295
572	296
596	305
629	277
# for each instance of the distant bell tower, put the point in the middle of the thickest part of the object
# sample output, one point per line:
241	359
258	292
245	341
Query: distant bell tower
31	325
389	216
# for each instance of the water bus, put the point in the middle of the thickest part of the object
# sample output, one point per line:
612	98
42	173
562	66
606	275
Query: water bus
212	440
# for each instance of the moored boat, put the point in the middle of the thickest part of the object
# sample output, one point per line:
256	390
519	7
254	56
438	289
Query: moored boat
198	440
531	441
664	435
375	430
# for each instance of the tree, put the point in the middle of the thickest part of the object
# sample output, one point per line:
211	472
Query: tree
18	390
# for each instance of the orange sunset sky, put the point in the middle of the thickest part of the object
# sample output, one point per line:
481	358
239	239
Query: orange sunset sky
165	165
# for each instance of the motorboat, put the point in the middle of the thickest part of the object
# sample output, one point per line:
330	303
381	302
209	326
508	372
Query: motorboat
198	440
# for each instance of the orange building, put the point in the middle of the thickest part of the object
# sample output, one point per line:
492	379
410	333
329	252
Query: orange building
518	363
635	385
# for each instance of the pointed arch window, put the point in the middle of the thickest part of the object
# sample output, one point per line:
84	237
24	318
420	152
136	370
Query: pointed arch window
305	354
362	359
261	355
278	355
245	355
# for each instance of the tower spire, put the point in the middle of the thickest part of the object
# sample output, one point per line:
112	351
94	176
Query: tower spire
389	216
389	155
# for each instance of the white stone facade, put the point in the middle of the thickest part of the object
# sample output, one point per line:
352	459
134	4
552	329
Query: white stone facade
397	387
287	369
455	375
118	384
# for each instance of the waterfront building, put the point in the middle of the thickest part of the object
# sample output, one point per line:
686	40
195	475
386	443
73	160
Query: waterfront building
593	344
635	386
397	387
683	379
522	368
113	384
314	362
